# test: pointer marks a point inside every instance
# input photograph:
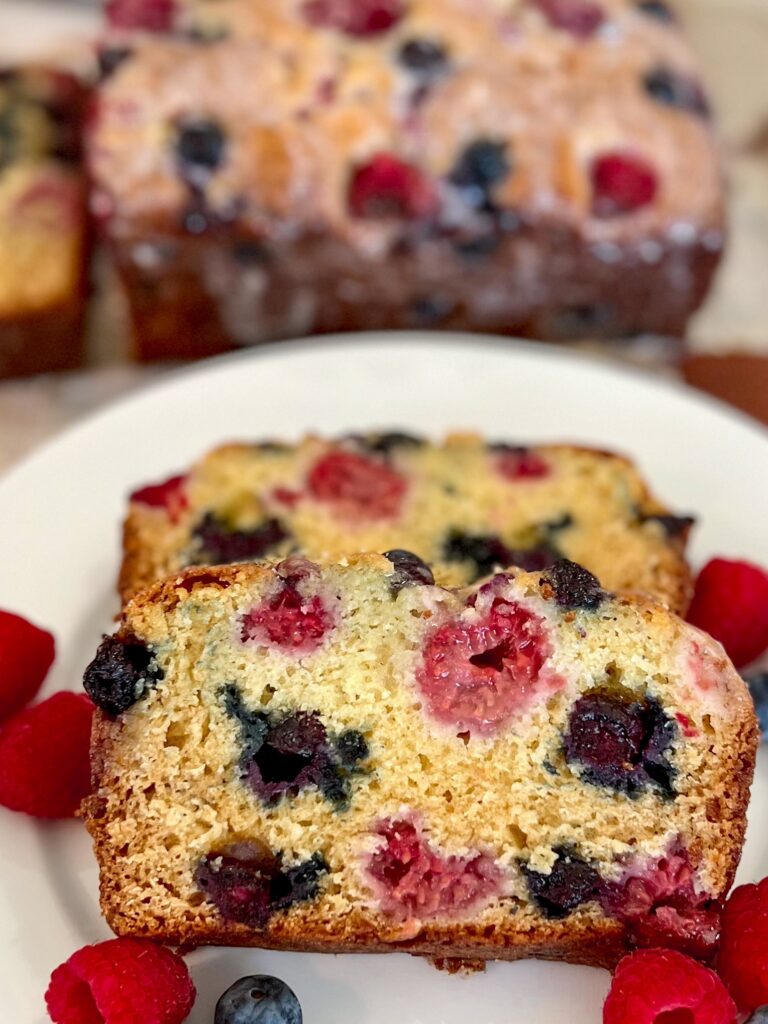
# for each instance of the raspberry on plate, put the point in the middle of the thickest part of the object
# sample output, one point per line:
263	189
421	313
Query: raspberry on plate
743	959
122	981
656	985
730	603
26	655
44	757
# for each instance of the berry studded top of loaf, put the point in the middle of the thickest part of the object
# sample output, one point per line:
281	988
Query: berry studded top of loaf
337	757
384	121
464	506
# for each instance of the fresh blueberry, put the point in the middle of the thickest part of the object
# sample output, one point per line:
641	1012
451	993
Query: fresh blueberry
258	999
200	148
574	586
758	687
480	167
410	570
570	883
675	90
120	674
423	57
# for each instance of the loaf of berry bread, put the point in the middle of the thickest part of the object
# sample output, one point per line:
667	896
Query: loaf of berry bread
349	758
42	221
543	168
464	506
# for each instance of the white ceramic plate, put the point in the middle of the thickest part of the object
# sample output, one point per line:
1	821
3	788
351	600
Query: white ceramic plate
59	545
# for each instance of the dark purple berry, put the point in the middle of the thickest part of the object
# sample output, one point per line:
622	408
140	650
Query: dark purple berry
488	553
620	743
481	167
673	526
424	57
120	674
657	9
283	756
249	888
352	748
410	570
675	90
110	59
574	586
571	883
217	545
258	999
386	442
200	148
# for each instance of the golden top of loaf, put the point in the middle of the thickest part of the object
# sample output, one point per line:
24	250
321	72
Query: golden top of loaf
463	505
484	105
342	757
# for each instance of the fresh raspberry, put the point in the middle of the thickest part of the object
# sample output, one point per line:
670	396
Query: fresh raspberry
152	15
412	880
389	187
743	959
622	183
169	495
581	18
357	17
522	464
359	487
730	603
44	757
661	986
288	620
121	981
481	671
26	654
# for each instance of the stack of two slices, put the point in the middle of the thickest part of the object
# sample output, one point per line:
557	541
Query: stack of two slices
420	748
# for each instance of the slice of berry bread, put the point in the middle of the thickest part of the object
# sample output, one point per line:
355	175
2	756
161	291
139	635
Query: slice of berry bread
464	506
349	758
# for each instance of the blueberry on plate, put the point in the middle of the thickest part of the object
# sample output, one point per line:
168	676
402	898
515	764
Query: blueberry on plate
258	999
758	687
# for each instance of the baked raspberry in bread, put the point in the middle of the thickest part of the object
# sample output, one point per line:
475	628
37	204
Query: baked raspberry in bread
348	758
282	167
42	221
465	506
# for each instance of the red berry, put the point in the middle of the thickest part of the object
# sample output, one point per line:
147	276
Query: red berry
44	757
152	15
579	17
412	880
388	187
359	487
288	620
26	654
730	602
122	981
482	670
357	17
622	183
661	986
743	959
522	464
169	495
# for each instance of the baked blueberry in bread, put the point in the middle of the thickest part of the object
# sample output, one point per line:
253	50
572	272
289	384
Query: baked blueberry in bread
465	506
340	757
